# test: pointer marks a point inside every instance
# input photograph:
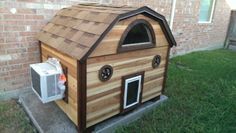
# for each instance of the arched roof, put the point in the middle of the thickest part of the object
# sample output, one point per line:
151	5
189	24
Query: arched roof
76	31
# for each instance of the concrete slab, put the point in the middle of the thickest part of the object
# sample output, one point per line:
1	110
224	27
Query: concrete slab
13	94
49	118
108	126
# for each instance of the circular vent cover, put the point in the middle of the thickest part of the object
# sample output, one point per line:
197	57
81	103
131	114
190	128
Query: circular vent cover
156	61
105	73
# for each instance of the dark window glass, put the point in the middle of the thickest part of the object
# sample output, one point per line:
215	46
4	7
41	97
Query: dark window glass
132	92
138	34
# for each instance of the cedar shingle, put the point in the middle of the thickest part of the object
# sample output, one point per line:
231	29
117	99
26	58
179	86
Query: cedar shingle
48	26
77	36
85	26
70	34
98	28
88	39
74	30
82	14
65	32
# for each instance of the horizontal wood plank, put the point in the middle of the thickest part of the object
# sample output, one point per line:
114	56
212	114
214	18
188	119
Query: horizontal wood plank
100	95
103	98
110	43
69	108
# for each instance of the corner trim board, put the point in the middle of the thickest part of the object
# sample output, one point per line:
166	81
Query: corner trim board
40	51
165	74
82	95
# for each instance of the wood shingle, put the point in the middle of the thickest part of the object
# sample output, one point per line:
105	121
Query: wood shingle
75	30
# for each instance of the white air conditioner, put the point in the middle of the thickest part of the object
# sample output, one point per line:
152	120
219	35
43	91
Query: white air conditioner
45	81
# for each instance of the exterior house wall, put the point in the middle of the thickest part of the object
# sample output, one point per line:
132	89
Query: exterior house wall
20	20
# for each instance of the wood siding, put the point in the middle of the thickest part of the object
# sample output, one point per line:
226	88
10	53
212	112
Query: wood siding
103	98
69	108
110	43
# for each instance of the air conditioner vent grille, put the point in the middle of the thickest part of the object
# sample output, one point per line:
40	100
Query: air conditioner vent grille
36	81
53	89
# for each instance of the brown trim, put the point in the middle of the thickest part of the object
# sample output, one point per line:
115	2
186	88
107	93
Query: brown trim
122	110
155	99
82	95
151	35
101	78
143	10
40	52
78	96
165	74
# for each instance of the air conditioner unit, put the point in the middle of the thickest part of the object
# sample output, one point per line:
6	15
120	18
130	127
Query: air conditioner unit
45	81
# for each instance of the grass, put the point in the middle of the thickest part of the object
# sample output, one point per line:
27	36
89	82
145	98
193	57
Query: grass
201	87
13	119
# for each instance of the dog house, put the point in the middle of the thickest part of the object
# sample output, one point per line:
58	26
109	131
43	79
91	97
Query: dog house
114	59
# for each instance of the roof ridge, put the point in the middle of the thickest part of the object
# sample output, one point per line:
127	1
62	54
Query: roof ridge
104	5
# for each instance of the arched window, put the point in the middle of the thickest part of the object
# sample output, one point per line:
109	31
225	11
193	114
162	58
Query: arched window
138	35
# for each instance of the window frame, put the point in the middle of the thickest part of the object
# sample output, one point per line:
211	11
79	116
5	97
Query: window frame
137	46
211	15
128	79
127	82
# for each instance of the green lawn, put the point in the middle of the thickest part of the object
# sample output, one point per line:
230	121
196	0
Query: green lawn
202	98
201	87
13	119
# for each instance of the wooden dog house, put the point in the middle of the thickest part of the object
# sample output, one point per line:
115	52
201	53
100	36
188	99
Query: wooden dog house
115	58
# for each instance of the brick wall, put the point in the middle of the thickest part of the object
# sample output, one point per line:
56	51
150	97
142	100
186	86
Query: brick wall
20	20
191	35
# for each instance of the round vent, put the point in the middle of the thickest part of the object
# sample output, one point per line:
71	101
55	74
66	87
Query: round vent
105	73
156	61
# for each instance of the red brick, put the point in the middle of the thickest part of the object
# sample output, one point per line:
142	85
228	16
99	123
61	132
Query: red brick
4	10
10	22
26	11
34	17
2	51
31	39
33	49
17	61
13	16
2	40
14	28
12	51
17	72
29	1
28	33
10	34
3	74
15	39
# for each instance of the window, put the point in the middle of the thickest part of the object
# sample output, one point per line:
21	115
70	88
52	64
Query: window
206	11
138	35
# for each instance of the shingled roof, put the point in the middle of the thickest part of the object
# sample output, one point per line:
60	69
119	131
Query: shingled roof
77	30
